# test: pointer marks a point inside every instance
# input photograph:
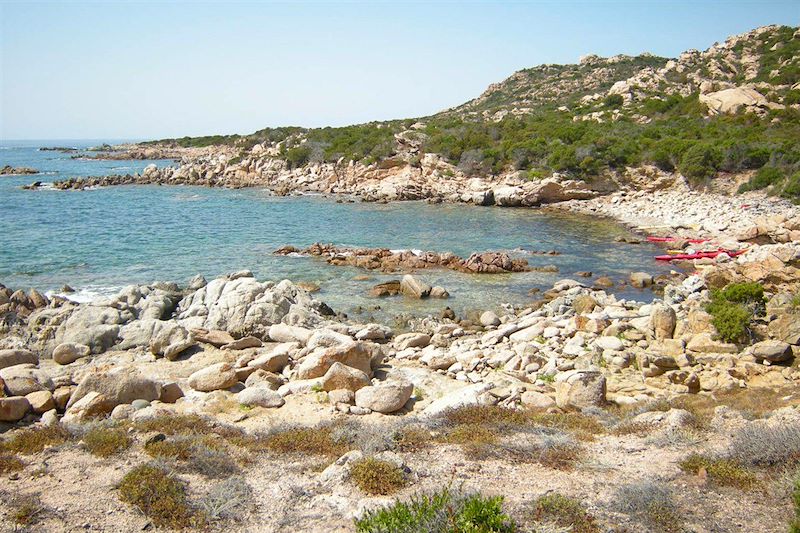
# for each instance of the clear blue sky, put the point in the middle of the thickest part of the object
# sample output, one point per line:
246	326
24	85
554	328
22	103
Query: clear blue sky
148	70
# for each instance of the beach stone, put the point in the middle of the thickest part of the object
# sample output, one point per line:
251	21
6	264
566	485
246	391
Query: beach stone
286	333
580	388
69	352
17	357
171	392
584	304
21	380
197	282
41	401
641	280
243	344
389	288
355	354
373	332
414	287
439	292
411	340
14	408
340	376
774	351
260	397
537	400
326	338
213	337
274	359
386	397
123	411
339	396
262	378
117	385
140	404
489	318
610	343
663	321
215	377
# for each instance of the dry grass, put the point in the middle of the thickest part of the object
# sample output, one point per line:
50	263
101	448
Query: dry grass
106	441
34	440
724	472
305	440
753	403
376	476
160	496
23	509
411	438
201	455
227	499
650	502
10	463
565	512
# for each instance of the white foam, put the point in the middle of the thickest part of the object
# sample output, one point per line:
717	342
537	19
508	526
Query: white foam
87	294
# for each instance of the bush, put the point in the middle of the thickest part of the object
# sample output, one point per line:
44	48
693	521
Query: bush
24	509
10	463
791	189
764	177
564	512
227	499
794	527
700	162
161	497
651	502
34	440
105	441
375	476
733	309
766	445
440	512
613	100
306	440
195	454
724	472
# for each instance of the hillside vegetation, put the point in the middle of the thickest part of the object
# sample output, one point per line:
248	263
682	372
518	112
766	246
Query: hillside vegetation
598	116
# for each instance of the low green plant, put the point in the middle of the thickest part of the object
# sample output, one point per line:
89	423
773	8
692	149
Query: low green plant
10	463
794	526
105	441
305	440
721	471
445	511
34	440
160	496
733	309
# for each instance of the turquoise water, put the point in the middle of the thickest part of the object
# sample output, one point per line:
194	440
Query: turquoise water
100	240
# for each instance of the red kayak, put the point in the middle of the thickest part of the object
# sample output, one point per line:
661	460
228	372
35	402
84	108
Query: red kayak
671	239
698	255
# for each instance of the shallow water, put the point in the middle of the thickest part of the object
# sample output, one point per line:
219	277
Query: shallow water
100	240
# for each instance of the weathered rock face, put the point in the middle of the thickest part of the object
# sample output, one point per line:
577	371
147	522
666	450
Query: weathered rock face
340	376
704	343
386	397
24	379
286	333
41	401
786	328
117	386
17	357
580	389
215	377
663	321
731	100
166	338
94	326
244	306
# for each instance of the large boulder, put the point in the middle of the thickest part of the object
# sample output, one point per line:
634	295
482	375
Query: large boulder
355	354
166	338
260	397
14	408
214	337
731	100
287	333
663	321
94	326
341	376
580	388
69	352
117	386
414	287
641	280
704	343
386	397
412	340
41	401
273	359
215	377
774	351
21	380
470	395
786	328
243	306
17	357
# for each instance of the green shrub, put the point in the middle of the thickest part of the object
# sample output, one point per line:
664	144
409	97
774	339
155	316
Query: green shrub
763	178
105	441
440	512
794	526
733	308
700	162
375	476
722	471
792	187
34	440
565	512
161	497
613	100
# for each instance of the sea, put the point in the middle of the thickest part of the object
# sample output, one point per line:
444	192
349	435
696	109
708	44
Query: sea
100	240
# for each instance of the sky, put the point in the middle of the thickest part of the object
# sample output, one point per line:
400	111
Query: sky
144	70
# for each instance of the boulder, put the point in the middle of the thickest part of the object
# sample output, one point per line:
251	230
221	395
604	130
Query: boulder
731	100
170	340
243	343
69	352
411	340
584	303
41	401
663	321
97	327
17	357
340	376
414	287
537	400
489	318
610	343
786	328
386	397
214	337
92	405
286	333
640	280
774	351
273	359
117	385
703	343
389	288
171	392
439	292
580	388
260	397
215	377
21	380
466	396
262	378
355	354
14	408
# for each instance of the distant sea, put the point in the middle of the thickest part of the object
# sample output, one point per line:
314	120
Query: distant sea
98	241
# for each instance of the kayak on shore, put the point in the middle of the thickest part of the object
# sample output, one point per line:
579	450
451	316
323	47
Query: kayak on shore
672	239
698	255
